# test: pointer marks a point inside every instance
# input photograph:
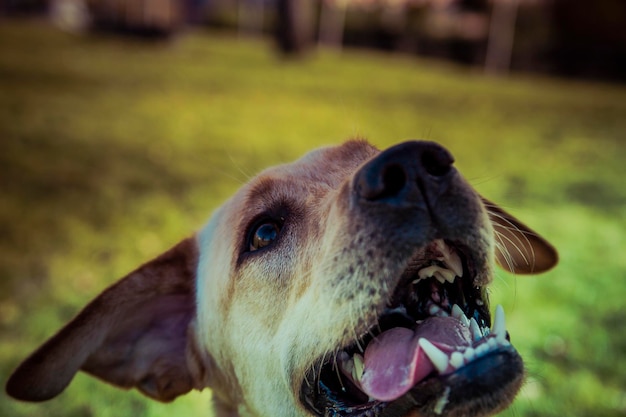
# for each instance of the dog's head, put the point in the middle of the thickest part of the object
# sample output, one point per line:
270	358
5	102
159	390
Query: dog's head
351	282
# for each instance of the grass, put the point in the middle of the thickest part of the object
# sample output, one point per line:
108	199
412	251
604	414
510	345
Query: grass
111	151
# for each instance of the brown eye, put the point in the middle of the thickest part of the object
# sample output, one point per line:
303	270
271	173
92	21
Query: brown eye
264	235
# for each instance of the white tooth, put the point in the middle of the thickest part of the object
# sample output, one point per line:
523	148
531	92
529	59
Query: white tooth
433	309
436	356
449	257
475	329
441	274
456	360
481	350
457	312
469	354
479	302
448	275
440	277
358	367
454	263
499	324
492	343
427	272
444	275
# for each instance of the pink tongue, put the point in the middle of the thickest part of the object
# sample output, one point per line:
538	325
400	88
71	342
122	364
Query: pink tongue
394	362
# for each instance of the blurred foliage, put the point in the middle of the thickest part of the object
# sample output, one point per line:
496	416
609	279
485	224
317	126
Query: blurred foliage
111	151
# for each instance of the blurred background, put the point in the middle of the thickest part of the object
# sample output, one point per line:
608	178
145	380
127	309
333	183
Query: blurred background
124	123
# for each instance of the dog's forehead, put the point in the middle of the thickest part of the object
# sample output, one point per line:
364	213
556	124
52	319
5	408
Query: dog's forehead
326	167
348	155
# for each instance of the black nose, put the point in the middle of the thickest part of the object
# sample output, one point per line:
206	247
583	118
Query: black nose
410	173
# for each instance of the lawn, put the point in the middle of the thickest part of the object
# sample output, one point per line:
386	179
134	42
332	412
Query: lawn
111	151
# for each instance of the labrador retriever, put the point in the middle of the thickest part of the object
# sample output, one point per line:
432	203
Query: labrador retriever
351	282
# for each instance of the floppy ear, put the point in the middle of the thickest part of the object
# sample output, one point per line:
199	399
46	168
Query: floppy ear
134	334
519	249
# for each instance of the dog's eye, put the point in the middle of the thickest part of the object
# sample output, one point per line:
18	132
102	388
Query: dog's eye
264	235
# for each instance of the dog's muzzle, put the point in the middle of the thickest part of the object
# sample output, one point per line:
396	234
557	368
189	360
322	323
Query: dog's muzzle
432	349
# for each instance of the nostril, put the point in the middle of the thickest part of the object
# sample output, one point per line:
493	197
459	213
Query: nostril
394	180
437	161
404	174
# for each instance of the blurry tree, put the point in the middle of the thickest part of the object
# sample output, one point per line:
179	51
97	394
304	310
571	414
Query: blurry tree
501	36
251	16
294	26
18	7
144	17
331	22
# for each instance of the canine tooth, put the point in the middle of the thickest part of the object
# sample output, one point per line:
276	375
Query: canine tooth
358	367
499	324
449	257
492	343
436	356
458	314
456	360
454	263
475	329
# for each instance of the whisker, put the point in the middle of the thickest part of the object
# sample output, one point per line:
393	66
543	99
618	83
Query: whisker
336	366
508	258
523	247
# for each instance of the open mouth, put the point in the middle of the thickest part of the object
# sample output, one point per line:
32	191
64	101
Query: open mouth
433	349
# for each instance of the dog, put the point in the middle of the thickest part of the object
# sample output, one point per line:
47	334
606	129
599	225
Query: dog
351	282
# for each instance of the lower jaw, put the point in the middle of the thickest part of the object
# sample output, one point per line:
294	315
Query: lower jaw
483	387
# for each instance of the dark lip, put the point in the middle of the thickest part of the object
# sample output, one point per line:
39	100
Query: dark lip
324	400
481	387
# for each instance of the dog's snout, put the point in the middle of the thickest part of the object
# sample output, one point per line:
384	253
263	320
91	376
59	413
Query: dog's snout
406	173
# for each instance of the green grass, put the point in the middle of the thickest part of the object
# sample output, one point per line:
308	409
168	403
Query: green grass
112	151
